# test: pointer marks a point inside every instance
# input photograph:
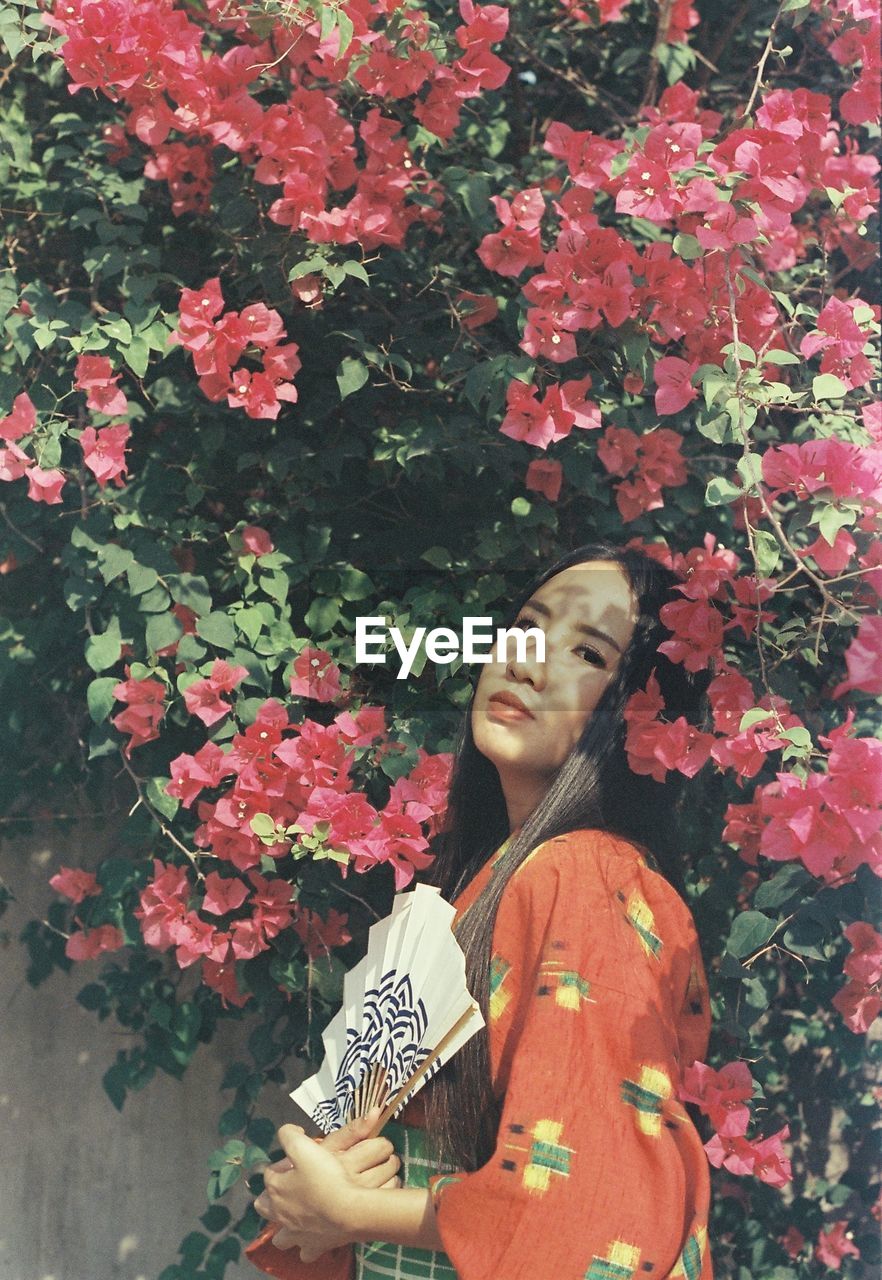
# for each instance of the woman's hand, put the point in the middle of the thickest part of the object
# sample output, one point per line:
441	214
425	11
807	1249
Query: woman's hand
372	1162
308	1197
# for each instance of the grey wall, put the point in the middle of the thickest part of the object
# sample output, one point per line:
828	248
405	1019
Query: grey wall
87	1193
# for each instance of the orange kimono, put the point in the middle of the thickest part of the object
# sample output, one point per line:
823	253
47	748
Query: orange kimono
598	1002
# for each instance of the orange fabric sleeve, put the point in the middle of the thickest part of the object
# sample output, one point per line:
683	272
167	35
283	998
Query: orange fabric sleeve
598	1001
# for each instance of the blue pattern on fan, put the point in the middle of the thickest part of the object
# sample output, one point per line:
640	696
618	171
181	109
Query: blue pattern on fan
395	1021
406	1009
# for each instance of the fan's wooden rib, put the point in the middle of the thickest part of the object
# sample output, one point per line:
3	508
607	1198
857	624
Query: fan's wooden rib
389	1109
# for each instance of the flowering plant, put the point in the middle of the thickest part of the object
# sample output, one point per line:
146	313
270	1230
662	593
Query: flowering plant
319	310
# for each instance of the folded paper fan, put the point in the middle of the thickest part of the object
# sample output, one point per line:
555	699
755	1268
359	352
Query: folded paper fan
406	1010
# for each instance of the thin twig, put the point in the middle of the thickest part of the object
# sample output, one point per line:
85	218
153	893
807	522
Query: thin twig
157	818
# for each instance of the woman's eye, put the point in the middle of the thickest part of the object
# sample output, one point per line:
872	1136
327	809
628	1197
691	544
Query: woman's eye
591	655
525	621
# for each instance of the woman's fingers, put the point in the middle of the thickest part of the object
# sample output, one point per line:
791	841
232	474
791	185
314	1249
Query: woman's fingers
365	1155
378	1174
392	1184
285	1239
353	1132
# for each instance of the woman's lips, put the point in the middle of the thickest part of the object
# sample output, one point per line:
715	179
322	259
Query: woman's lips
507	711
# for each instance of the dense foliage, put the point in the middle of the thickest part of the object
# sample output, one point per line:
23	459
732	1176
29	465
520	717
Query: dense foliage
316	311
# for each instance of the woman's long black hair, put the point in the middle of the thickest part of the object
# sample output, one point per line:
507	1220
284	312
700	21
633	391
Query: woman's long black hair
594	787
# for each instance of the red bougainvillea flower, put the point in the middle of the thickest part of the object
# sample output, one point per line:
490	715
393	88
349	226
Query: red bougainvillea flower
320	935
192	774
545	476
835	1244
792	1242
422	794
475	309
45	486
858	1005
698	633
771	1165
87	944
655	746
397	840
75	884
21	420
863	658
316	676
104	452
673	380
517	246
223	894
721	1095
366	726
256	541
221	977
145	710
95	376
163	905
865	961
202	698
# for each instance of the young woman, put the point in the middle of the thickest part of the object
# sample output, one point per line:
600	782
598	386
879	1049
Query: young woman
563	1149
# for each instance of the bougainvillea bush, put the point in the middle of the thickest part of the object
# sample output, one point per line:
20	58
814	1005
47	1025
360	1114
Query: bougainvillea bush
317	311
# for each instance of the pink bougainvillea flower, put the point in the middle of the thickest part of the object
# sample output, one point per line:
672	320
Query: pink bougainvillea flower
14	463
865	961
202	698
863	658
545	476
21	420
104	452
316	676
75	883
835	1244
673	380
223	894
396	840
45	486
476	309
858	1005
771	1165
145	710
257	541
366	726
721	1095
87	944
95	376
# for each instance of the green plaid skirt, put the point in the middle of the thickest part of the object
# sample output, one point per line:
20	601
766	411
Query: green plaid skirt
381	1261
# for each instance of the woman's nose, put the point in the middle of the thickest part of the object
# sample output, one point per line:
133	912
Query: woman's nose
525	666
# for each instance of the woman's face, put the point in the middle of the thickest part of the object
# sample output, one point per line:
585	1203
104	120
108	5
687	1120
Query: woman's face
527	716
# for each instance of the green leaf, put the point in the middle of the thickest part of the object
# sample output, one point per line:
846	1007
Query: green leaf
160	799
687	247
756	715
188	589
141	579
99	697
437	557
218	629
750	469
768	552
781	357
826	386
114	561
783	885
750	931
103	650
721	491
163	629
263	825
352	374
250	622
